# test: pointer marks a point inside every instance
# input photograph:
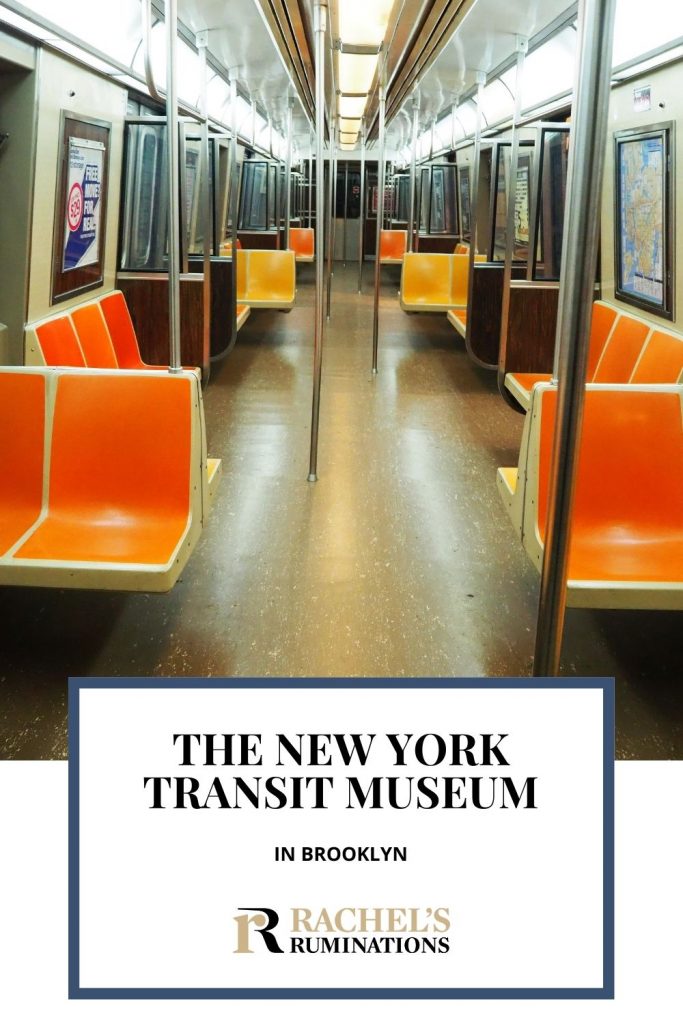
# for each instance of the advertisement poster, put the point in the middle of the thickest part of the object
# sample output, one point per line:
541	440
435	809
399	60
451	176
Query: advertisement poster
83	207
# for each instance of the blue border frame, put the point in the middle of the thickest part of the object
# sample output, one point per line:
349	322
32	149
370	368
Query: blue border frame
607	990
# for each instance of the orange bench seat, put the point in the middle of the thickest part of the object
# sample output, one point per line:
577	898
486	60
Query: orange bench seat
623	349
107	484
458	318
302	242
626	548
434	282
242	315
392	246
266	278
22	434
98	334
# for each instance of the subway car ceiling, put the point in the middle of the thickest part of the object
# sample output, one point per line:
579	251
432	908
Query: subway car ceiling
432	54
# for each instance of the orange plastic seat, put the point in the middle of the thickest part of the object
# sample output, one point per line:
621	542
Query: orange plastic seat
460	276
603	319
621	352
626	546
458	318
94	337
242	315
302	241
266	278
122	332
392	246
59	344
661	361
22	434
434	282
461	248
426	282
119	486
226	247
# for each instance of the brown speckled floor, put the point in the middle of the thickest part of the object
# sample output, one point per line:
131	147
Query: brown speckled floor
399	561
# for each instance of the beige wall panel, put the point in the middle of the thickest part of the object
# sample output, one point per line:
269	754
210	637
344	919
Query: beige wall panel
65	86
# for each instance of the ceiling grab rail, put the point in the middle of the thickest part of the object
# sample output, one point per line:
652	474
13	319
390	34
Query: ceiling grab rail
320	26
147	51
577	282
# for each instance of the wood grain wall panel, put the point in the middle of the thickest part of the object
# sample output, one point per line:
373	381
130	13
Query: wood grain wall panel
531	333
147	298
485	311
259	239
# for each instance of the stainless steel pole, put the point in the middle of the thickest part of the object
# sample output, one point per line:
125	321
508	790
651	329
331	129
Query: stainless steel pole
346	202
175	364
361	214
320	27
380	223
522	46
234	203
413	174
207	217
390	212
288	172
579	258
474	195
331	197
310	186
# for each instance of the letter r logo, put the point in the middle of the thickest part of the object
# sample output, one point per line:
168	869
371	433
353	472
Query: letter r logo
263	921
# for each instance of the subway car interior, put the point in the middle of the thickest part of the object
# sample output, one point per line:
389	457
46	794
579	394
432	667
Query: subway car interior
341	338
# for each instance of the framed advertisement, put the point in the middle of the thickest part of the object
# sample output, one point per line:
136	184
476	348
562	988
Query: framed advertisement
81	206
643	220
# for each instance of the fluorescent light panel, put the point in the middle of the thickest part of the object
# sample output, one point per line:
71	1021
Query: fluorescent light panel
363	22
356	71
359	23
351	106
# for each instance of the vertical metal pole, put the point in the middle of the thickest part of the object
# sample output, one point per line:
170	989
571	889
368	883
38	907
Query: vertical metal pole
320	26
361	214
288	173
207	218
331	199
380	222
474	195
390	211
346	202
310	185
579	258
413	174
234	202
522	45
173	187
